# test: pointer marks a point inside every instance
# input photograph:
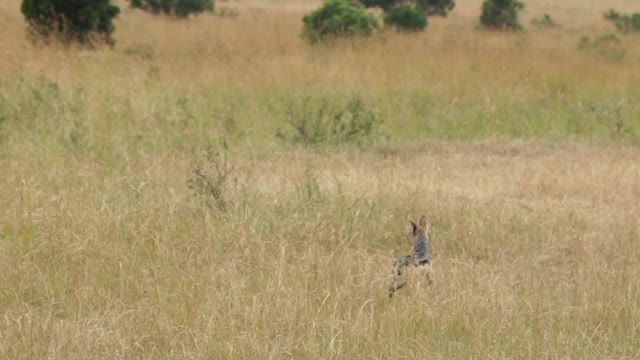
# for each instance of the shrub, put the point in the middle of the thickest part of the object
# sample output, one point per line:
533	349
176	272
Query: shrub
612	14
624	22
545	22
383	4
606	46
430	7
501	14
437	7
406	18
316	121
338	18
177	8
82	21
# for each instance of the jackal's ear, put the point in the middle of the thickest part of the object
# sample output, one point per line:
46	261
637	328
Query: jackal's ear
414	227
423	221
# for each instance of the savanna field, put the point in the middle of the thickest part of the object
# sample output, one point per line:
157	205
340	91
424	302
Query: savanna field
170	198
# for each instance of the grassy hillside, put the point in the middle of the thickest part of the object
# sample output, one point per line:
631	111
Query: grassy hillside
154	205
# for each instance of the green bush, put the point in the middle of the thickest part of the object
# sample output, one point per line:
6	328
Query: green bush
177	8
546	21
383	4
606	46
406	18
314	121
436	7
624	22
338	18
85	21
501	14
430	7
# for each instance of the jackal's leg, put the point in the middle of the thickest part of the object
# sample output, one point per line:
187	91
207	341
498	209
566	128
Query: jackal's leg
398	283
399	280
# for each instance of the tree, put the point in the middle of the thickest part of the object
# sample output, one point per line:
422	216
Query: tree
338	18
406	18
624	22
177	8
501	14
84	21
430	7
385	5
437	7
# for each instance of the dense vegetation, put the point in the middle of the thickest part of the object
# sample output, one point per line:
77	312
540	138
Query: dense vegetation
406	18
501	14
410	15
431	7
624	22
336	19
178	8
86	21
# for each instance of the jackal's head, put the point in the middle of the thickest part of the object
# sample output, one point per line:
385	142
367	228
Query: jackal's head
422	227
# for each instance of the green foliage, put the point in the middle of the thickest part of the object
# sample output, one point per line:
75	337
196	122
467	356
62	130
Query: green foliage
310	190
545	22
338	18
383	4
85	21
37	107
177	8
316	121
406	18
612	14
624	22
436	7
501	14
430	7
606	46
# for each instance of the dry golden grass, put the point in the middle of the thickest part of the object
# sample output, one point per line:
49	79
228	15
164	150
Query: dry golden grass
262	48
521	149
535	256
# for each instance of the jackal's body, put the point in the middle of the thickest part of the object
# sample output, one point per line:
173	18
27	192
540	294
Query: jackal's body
420	258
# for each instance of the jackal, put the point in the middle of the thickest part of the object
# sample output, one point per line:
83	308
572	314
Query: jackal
416	264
